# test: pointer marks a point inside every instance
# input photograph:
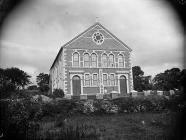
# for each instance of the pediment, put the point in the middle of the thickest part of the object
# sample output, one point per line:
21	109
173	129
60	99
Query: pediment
97	37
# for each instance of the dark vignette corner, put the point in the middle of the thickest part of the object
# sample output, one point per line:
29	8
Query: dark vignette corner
180	8
6	6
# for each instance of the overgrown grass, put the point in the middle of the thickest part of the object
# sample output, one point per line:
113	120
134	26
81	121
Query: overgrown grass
147	118
132	126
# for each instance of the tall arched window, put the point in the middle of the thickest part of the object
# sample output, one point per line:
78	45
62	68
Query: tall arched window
120	61
104	60
94	60
86	60
111	60
76	59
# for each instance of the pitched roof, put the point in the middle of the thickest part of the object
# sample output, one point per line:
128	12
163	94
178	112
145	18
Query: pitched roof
94	25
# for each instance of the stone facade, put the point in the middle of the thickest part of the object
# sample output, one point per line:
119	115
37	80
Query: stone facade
95	62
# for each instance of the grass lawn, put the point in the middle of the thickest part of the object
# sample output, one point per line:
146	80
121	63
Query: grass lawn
133	126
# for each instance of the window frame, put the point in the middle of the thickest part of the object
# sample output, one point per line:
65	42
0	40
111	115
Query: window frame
84	61
111	54
112	80
106	79
123	64
86	85
94	85
76	61
102	60
96	60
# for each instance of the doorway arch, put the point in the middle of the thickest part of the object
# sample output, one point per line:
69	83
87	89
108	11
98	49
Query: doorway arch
123	84
76	85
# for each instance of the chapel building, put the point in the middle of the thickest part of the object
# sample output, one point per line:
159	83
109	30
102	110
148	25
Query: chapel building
93	63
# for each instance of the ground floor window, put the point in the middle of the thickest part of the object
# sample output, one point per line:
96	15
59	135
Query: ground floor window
87	80
104	79
112	80
95	79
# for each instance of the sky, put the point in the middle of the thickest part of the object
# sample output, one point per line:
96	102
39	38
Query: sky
33	32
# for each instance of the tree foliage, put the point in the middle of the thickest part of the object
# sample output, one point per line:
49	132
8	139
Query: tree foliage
140	82
137	72
12	79
43	82
183	78
169	79
15	77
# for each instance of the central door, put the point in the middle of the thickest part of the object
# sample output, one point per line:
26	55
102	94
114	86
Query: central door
76	85
123	85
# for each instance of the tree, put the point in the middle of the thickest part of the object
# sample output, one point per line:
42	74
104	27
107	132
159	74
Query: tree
17	77
140	82
12	79
43	82
170	79
137	78
137	72
183	79
5	85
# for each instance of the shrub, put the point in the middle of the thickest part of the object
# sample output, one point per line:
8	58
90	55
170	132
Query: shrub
50	109
32	87
63	107
6	90
88	107
125	104
44	88
142	104
17	115
58	93
105	106
176	102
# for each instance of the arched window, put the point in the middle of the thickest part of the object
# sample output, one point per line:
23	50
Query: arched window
86	60
111	60
104	60
76	59
120	61
94	60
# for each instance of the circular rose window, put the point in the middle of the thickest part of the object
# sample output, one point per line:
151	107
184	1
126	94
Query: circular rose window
98	38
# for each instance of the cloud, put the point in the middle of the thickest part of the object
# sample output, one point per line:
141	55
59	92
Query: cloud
25	56
33	34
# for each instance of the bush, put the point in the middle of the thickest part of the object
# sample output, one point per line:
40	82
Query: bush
44	88
32	87
150	103
104	106
63	107
7	90
58	93
17	114
125	104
